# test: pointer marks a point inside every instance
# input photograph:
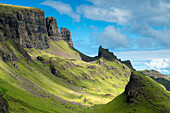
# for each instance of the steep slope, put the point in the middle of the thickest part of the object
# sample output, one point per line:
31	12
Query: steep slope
3	103
28	27
40	65
158	77
142	94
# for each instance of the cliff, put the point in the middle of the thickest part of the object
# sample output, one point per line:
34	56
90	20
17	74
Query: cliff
28	27
106	54
128	63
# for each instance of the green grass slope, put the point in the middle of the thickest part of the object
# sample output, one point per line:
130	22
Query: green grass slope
158	77
142	95
47	82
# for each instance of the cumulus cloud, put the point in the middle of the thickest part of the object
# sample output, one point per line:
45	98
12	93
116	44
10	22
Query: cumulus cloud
151	37
147	59
139	16
155	12
62	8
157	63
109	15
162	65
112	38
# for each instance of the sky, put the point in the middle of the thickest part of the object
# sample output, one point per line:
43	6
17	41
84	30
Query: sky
138	30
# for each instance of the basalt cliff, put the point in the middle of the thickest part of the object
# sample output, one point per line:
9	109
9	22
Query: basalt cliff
29	28
42	72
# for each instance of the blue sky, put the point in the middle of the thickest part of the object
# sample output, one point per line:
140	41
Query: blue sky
132	29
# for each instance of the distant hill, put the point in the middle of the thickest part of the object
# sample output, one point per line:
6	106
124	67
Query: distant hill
158	77
42	72
142	94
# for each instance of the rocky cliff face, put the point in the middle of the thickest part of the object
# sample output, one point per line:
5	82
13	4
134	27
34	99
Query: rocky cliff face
106	54
29	27
52	28
128	63
66	36
133	88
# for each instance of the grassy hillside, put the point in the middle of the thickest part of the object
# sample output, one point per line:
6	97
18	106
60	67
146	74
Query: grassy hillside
142	95
64	84
61	79
158	77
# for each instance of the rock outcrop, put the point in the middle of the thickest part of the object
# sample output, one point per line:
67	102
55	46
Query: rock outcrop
132	89
66	36
25	26
4	107
128	63
52	28
106	54
29	27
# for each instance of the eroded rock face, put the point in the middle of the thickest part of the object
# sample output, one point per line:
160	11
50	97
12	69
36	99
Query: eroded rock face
132	89
52	28
25	26
3	105
106	54
66	36
29	27
128	63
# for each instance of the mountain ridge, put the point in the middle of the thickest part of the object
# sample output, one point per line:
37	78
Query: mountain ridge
25	24
40	65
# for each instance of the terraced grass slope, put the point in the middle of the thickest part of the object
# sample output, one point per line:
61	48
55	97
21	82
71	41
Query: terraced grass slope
41	72
42	81
142	95
158	77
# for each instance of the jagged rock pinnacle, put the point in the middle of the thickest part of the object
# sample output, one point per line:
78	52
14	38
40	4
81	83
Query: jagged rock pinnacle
106	54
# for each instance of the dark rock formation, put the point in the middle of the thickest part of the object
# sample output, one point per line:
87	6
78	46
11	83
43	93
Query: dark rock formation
7	54
128	63
15	65
132	89
40	58
29	27
54	71
66	36
106	54
25	26
3	105
52	28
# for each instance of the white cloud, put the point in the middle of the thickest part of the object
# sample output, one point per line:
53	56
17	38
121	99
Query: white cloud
147	59
109	15
151	37
141	16
112	38
153	12
62	8
157	64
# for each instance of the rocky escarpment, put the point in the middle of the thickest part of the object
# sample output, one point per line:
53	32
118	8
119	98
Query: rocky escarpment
128	63
106	54
29	27
133	88
3	105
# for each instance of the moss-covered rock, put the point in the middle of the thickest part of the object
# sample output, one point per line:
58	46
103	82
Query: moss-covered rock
4	107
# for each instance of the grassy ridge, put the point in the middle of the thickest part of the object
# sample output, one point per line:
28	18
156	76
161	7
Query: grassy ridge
152	98
78	83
